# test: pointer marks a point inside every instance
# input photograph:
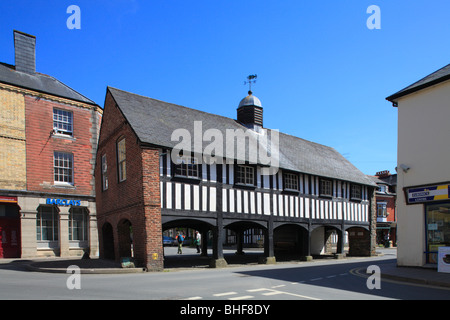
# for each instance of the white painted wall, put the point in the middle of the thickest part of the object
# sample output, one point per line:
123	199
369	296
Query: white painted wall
424	146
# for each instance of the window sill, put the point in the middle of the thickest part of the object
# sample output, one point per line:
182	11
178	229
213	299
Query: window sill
47	245
244	186
186	179
63	136
291	191
75	244
61	185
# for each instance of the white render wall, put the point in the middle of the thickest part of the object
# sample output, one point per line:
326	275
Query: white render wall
424	146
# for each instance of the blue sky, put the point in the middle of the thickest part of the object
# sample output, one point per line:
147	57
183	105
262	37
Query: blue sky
322	74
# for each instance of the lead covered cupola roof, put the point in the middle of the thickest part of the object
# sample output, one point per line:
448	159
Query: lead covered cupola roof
250	100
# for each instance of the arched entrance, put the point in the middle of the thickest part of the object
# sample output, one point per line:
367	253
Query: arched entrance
290	242
247	239
245	234
359	242
108	241
125	237
189	256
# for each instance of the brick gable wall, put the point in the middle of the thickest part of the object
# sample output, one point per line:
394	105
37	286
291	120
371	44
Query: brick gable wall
137	199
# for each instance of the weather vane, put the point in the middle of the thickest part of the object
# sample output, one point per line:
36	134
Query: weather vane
251	79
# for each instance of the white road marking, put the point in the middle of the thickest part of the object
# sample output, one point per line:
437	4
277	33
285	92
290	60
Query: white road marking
272	293
257	290
275	292
241	298
224	294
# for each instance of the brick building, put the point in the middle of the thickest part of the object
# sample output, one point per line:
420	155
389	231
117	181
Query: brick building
48	138
386	196
142	190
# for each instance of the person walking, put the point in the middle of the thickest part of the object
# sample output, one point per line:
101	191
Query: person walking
180	239
198	241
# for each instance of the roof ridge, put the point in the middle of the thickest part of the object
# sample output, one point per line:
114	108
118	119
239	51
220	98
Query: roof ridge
178	105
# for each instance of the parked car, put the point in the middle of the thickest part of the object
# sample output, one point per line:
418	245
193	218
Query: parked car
168	241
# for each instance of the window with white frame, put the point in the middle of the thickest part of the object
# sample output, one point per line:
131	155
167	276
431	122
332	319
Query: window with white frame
63	168
187	166
245	175
382	209
63	122
290	181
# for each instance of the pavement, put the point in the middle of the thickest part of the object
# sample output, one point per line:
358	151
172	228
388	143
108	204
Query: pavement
389	271
417	275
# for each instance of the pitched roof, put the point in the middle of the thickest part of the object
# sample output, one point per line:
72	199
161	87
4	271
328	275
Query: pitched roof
40	83
439	76
154	121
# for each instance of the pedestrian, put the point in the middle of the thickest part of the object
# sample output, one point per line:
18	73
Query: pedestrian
180	240
198	240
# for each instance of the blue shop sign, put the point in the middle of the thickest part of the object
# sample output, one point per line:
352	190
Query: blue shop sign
64	202
429	193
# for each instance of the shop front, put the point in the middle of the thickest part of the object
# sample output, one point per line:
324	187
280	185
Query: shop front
438	229
435	200
56	226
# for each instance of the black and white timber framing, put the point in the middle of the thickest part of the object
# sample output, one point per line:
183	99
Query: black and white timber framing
213	200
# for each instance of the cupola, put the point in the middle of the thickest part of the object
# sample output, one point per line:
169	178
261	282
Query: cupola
250	111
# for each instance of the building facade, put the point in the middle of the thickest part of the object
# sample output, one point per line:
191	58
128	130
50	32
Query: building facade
423	197
48	140
143	188
386	196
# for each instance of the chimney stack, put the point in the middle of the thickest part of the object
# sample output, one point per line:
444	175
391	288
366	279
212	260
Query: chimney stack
25	52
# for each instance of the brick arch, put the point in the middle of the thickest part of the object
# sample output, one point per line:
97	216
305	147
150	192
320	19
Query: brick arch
359	241
125	238
107	247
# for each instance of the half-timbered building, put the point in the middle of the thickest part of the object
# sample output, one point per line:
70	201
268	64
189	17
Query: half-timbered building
308	192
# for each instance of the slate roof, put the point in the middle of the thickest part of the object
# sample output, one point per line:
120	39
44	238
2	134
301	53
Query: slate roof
154	121
40	83
439	76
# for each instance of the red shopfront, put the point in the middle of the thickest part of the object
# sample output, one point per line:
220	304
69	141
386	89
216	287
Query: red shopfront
10	246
